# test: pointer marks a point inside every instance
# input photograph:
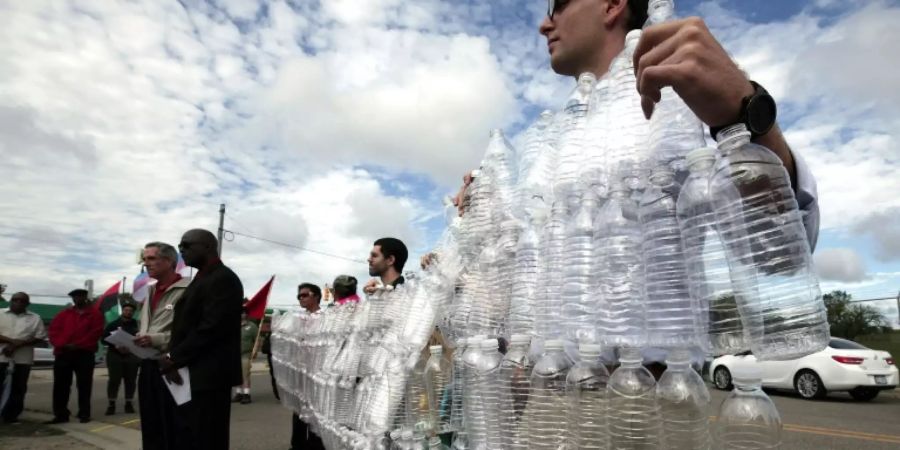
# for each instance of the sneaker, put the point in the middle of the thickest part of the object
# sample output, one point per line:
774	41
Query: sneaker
237	398
246	400
57	420
129	409
110	410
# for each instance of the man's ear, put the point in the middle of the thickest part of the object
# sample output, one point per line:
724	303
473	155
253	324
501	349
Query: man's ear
615	10
390	260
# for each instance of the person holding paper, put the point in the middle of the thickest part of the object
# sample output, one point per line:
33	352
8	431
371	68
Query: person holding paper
206	339
121	364
157	406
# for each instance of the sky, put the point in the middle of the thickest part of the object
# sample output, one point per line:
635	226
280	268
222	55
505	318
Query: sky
326	125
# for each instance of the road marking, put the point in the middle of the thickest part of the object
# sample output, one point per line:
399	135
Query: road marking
99	429
847	434
129	422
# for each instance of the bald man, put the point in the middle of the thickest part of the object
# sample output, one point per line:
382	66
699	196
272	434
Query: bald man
206	338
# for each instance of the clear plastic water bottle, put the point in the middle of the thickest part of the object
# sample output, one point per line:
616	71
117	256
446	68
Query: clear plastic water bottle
674	129
627	144
572	143
633	415
684	404
487	391
586	386
578	253
747	418
525	277
547	406
672	317
515	387
709	277
619	271
767	249
474	418
547	320
437	377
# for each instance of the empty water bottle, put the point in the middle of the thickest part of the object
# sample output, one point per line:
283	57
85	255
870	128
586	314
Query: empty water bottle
671	315
684	404
633	413
577	294
547	406
780	303
586	389
747	419
515	386
709	277
437	380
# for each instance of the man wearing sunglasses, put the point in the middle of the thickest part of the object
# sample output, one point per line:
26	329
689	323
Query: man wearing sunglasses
302	437
585	36
206	338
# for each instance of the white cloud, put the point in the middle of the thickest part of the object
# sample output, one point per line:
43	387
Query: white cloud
840	264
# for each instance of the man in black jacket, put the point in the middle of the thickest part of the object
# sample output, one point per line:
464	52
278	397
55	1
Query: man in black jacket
206	338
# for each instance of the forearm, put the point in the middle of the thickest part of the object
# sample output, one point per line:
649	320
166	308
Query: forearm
774	141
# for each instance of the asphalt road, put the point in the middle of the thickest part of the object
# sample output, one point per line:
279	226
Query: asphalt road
836	422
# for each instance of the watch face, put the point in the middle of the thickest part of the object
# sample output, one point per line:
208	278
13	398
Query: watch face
761	114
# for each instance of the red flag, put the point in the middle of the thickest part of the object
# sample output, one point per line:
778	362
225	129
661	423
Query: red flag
256	306
110	297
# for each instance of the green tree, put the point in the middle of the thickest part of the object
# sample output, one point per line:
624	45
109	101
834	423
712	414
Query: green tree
849	320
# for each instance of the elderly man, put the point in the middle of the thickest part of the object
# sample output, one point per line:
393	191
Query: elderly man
206	339
20	330
74	334
157	406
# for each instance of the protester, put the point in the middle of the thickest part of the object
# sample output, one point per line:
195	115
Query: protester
344	287
120	363
249	332
206	339
20	330
74	334
157	406
266	334
302	438
386	261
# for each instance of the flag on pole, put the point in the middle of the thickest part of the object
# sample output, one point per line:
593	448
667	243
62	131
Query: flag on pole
256	306
108	303
182	269
140	288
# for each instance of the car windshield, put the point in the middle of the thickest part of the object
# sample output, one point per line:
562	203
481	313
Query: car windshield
843	344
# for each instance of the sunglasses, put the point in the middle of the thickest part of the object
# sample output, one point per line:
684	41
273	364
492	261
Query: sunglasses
303	295
555	6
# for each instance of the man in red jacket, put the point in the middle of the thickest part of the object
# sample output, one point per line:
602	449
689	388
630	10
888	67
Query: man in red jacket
74	334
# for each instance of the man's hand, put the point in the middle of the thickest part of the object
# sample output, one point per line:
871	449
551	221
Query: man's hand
427	260
684	54
168	369
143	341
460	200
371	286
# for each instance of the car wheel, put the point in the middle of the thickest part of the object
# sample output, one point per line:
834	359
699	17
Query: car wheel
809	385
863	394
722	378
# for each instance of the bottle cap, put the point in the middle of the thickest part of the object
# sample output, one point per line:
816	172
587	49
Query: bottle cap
700	154
436	349
630	354
747	373
554	344
496	132
489	344
679	356
591	349
519	339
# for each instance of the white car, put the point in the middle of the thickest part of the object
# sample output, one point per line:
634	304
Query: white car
842	366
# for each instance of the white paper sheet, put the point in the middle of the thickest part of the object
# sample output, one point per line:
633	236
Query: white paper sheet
180	393
121	338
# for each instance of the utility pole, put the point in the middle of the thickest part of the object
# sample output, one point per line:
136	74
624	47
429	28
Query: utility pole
221	226
898	308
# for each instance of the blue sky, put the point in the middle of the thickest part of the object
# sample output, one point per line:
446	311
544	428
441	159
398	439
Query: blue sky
328	125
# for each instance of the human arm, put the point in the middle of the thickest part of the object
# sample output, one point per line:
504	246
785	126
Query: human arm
684	55
459	201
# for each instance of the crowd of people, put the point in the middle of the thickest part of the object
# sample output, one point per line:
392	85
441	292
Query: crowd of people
198	324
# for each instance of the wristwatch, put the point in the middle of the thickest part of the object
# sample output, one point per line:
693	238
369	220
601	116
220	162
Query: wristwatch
758	113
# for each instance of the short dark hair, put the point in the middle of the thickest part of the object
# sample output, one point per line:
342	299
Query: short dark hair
312	288
637	13
396	248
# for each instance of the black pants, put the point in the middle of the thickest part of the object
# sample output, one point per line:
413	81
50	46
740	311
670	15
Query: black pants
203	422
79	363
272	376
156	407
302	438
18	386
121	368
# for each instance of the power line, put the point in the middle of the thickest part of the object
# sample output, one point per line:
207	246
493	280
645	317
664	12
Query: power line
297	247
